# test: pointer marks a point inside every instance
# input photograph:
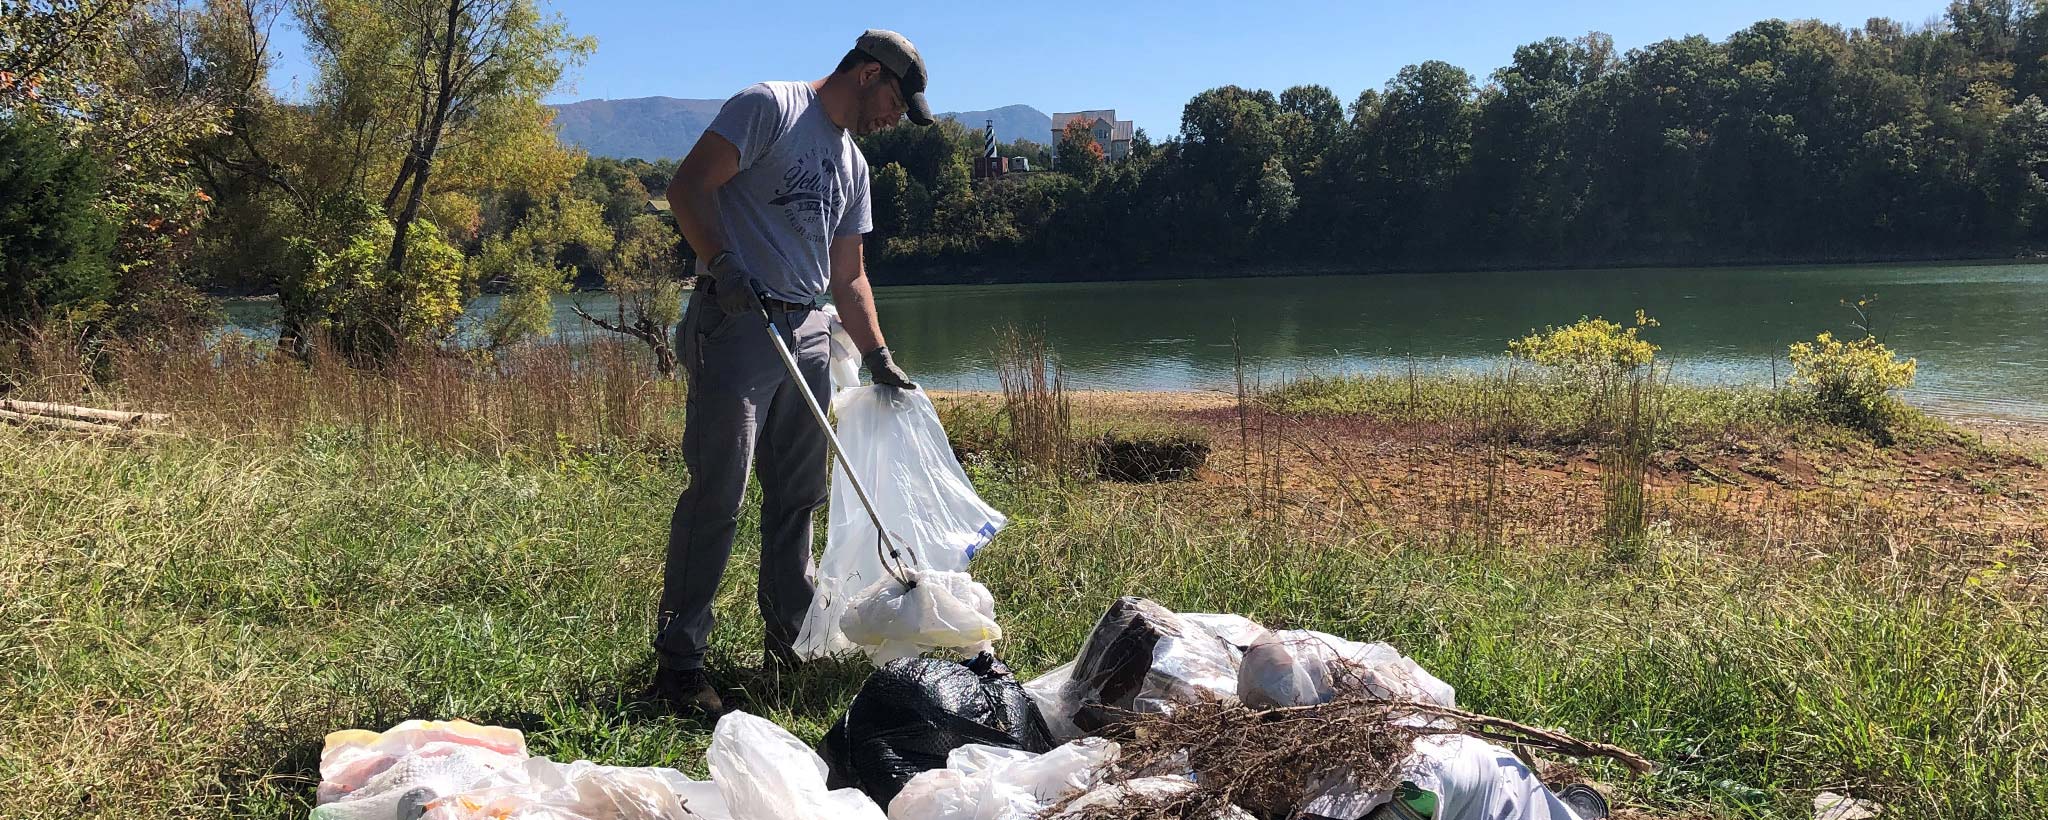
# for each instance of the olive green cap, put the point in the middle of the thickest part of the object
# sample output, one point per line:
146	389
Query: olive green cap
902	60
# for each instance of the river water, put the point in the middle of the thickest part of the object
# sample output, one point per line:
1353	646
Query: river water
1980	332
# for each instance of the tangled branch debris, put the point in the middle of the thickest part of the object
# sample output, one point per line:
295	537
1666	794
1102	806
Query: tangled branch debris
1272	761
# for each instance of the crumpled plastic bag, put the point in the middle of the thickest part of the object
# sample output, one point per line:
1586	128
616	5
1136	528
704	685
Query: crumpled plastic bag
766	773
1299	667
1466	778
1142	657
910	716
843	360
541	789
990	783
1058	704
943	610
396	773
410	784
900	452
456	770
351	757
1236	630
1049	691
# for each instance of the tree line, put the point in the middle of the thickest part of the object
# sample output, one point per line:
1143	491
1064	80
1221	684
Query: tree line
1784	141
144	160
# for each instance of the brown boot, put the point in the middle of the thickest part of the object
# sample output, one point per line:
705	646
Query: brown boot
688	691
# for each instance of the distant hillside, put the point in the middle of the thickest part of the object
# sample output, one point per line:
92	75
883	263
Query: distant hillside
1013	122
646	127
665	127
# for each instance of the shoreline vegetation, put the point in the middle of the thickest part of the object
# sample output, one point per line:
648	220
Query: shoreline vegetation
1765	597
1030	274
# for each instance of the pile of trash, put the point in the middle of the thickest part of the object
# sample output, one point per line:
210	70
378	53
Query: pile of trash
1162	715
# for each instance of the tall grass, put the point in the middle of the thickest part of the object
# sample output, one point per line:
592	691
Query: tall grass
552	395
1628	409
1035	403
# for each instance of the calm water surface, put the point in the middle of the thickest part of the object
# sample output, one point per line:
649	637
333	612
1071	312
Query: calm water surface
1979	331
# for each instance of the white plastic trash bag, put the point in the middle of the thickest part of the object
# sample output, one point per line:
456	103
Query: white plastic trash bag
456	770
541	789
351	761
988	783
897	447
942	610
409	786
1450	777
766	773
1299	667
1236	630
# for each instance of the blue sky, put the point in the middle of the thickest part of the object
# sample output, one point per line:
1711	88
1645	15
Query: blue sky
1141	57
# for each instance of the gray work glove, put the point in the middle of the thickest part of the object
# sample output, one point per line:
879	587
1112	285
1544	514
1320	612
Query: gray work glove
735	287
883	369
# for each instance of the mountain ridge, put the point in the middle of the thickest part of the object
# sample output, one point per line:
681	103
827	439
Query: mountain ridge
652	128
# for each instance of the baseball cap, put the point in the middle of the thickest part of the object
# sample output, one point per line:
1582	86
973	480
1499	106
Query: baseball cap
901	58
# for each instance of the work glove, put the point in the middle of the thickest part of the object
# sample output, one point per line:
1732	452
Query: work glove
883	369
735	287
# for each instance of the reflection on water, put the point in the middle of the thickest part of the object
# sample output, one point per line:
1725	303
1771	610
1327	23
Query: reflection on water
1980	331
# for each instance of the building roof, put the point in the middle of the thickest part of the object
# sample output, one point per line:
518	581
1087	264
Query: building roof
1059	121
1122	130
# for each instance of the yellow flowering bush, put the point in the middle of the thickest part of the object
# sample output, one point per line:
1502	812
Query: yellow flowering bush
1589	346
1852	382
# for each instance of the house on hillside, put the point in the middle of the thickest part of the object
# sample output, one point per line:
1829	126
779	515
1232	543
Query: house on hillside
1114	135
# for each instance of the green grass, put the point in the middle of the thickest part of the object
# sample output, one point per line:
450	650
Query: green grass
1533	406
181	620
1529	405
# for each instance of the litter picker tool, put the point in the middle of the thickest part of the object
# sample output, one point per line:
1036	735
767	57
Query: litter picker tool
892	560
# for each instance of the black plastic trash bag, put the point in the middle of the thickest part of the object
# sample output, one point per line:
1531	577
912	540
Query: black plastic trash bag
1143	657
914	711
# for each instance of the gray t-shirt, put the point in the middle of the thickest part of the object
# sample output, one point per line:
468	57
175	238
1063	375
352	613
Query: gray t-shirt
802	182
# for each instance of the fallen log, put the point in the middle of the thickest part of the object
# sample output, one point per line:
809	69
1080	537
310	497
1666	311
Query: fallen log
124	418
54	422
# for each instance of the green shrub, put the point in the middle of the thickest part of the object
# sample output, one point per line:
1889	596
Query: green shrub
53	239
1851	382
341	284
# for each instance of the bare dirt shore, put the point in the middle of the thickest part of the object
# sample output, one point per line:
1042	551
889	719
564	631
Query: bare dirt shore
1974	492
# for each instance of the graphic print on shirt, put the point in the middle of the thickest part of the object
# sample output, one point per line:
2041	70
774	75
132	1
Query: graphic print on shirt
811	195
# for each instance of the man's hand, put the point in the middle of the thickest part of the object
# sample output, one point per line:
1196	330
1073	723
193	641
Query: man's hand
734	288
883	369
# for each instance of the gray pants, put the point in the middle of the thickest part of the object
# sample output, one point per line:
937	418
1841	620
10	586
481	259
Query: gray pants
742	403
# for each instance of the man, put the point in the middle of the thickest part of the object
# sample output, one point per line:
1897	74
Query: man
774	198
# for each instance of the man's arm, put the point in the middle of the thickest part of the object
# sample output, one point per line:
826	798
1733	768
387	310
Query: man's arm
856	303
852	295
691	192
